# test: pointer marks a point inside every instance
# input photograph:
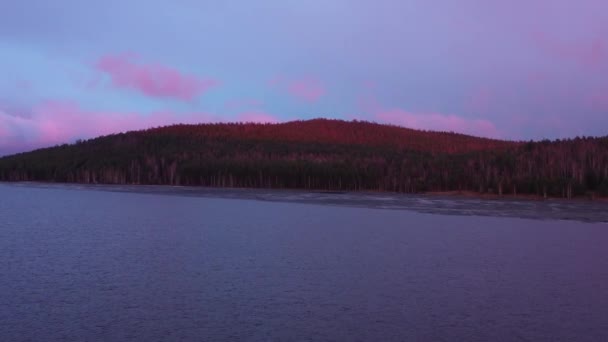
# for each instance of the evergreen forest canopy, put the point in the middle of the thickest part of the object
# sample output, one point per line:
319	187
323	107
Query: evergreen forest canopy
323	154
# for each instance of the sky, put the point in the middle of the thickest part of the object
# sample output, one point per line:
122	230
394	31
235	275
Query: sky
519	70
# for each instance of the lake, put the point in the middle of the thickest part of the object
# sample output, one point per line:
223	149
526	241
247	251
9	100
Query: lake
82	263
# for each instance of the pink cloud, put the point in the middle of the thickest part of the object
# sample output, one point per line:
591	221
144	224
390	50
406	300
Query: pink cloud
439	122
5	121
152	79
426	121
12	134
57	122
307	89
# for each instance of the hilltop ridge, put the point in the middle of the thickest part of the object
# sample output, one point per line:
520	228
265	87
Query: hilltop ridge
322	154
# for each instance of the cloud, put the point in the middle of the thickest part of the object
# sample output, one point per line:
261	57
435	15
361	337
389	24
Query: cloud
57	122
369	104
13	136
308	89
153	80
439	122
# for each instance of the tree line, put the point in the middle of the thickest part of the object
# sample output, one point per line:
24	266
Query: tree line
323	154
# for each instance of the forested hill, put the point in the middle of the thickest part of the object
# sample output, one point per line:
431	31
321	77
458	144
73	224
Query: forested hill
322	154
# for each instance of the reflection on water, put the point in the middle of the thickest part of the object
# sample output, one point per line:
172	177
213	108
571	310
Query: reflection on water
557	209
209	265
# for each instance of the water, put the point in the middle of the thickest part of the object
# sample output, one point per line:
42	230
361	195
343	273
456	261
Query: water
123	265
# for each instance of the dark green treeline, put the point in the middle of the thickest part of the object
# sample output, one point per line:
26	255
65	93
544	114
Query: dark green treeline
323	155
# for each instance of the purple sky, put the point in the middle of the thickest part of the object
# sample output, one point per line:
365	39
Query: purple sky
508	69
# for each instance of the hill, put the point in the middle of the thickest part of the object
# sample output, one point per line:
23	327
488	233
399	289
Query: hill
322	154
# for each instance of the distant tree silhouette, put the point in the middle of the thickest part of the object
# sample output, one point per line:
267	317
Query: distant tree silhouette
323	154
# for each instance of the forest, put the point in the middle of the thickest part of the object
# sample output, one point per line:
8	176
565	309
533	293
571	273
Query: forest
324	155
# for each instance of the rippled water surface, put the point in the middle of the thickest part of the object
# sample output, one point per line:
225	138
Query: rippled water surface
151	264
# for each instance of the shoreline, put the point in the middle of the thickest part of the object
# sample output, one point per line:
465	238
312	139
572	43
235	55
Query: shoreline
526	197
449	194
